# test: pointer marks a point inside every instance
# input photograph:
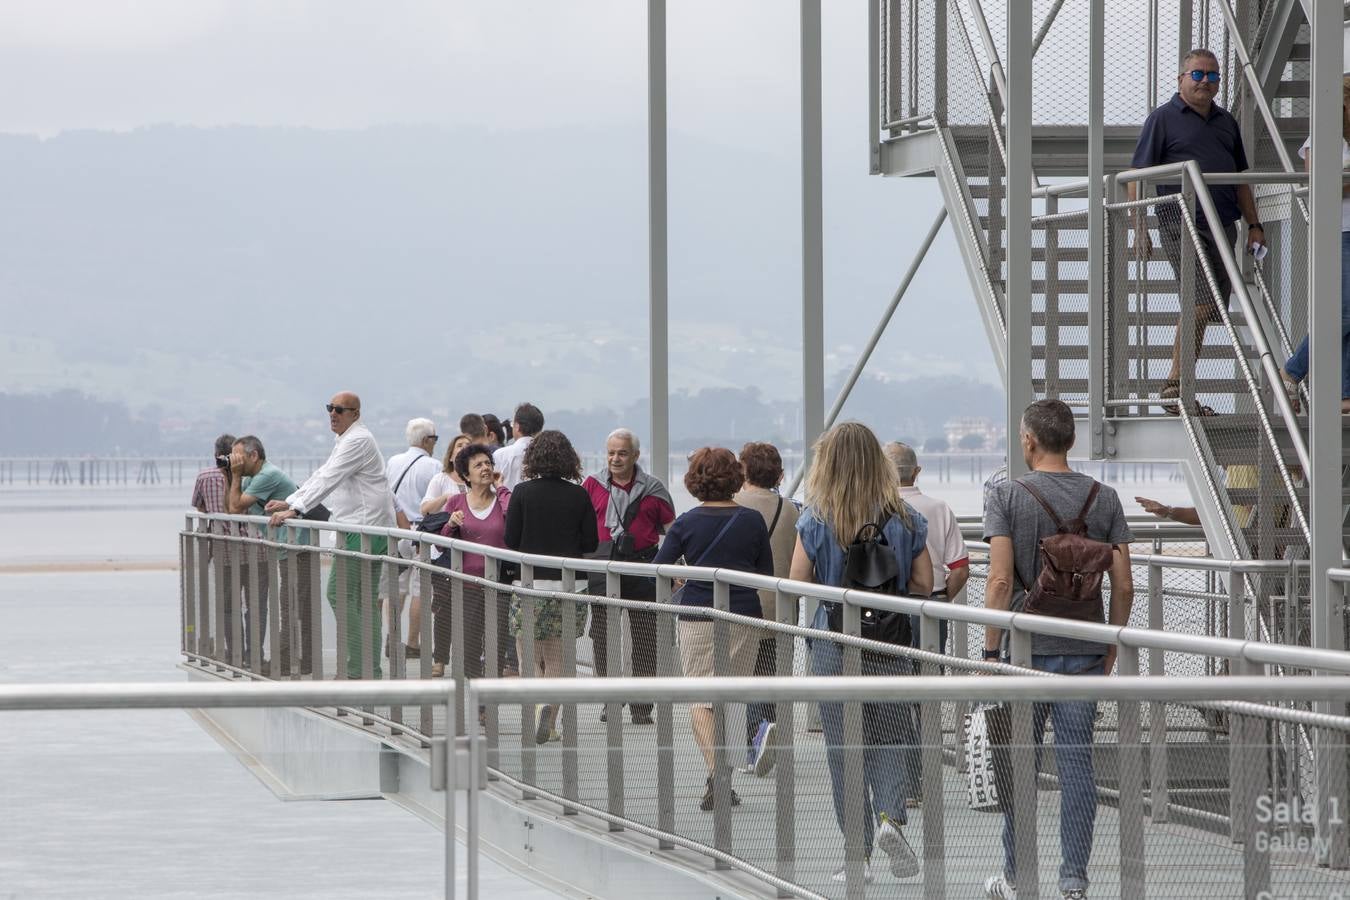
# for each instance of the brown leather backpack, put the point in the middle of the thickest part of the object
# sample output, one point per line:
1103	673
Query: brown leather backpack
1072	565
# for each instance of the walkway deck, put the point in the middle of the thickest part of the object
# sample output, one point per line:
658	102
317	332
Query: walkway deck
1181	861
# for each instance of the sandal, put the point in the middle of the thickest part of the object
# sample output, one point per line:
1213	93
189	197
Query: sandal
1291	391
1172	391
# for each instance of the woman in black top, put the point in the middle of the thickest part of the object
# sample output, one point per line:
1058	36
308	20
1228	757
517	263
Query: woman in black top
718	534
550	514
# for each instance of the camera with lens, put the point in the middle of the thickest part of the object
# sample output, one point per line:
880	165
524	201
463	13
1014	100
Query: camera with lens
223	463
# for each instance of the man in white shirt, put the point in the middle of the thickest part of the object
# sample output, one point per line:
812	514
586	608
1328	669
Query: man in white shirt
510	460
408	474
354	484
946	547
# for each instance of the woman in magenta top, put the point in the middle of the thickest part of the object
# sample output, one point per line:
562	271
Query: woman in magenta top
479	516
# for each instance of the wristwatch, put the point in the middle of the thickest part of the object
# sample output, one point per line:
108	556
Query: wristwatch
992	654
1256	225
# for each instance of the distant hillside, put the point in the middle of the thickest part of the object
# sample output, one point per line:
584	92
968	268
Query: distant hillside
260	269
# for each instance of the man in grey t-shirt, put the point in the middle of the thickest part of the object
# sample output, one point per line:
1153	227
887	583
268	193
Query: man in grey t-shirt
1014	524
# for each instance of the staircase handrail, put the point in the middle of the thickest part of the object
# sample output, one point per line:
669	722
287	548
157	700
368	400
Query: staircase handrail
1191	174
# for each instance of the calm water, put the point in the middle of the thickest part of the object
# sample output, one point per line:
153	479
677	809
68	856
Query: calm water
146	804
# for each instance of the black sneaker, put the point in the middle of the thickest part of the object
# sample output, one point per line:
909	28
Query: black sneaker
708	802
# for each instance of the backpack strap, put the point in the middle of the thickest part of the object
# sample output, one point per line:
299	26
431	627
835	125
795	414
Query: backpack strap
1087	505
1036	495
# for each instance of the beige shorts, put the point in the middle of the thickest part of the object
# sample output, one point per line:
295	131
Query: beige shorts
696	649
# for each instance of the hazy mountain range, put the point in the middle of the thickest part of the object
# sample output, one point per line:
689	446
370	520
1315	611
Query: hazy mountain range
185	272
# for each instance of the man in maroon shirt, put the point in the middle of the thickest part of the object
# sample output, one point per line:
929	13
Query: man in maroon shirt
632	509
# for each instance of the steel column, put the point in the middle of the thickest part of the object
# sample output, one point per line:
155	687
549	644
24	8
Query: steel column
1096	233
813	263
1328	598
658	341
1018	294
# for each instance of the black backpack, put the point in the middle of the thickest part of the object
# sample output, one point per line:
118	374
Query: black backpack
870	565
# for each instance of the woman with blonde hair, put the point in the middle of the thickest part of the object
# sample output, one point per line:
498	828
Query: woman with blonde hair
851	485
1296	369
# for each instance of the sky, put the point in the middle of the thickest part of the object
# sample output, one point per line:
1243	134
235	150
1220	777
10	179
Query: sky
522	70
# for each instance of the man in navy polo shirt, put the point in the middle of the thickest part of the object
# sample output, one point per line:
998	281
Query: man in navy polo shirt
1191	126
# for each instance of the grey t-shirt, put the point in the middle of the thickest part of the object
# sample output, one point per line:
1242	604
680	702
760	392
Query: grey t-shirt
1012	512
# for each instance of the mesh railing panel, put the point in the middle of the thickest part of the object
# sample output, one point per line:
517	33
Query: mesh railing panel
614	765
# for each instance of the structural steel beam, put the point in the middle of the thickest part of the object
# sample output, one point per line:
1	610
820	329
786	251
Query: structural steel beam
1018	291
658	333
813	264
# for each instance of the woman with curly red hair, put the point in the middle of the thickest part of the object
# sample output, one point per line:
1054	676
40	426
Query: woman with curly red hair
717	534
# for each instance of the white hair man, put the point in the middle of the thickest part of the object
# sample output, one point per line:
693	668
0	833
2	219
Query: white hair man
632	509
408	474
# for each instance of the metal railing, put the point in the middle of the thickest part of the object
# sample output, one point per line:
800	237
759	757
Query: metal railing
1161	648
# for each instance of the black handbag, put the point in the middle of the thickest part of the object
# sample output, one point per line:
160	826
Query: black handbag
870	565
434	523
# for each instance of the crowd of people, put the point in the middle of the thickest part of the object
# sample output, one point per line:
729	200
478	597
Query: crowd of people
528	492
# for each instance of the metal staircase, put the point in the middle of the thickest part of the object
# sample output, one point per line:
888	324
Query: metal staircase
1252	478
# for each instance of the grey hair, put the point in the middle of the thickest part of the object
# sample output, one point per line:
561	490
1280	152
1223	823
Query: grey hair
1050	422
224	444
419	430
904	459
251	445
1200	53
628	436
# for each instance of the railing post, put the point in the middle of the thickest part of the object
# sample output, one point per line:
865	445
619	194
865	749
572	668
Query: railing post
457	637
721	769
934	851
368	608
568	713
313	586
527	669
188	580
272	566
207	636
427	634
1129	749
665	725
293	630
614	710
1158	790
1247	739
341	575
234	599
1186	278
854	850
398	663
448	776
492	655
1025	771
253	597
426	720
785	607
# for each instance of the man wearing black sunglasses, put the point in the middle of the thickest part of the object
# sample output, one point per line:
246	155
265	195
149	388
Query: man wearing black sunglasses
353	483
1191	126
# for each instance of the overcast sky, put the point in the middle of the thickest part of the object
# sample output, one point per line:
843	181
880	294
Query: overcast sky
519	66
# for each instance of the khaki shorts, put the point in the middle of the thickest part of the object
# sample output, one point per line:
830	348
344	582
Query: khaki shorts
696	649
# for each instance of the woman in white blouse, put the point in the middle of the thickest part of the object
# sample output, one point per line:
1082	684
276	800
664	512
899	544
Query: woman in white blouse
445	483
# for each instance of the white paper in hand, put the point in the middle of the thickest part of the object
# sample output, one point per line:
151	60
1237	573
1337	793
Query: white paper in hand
1259	251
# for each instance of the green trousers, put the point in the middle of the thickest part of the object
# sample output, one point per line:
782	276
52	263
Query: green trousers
362	601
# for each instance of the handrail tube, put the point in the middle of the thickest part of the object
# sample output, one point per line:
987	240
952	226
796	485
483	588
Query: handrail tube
987	38
1271	370
229	695
913	688
1022	623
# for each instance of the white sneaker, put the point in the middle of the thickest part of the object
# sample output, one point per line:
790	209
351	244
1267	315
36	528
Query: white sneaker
997	887
840	877
904	864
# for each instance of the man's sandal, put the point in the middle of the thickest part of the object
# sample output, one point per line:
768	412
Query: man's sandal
1172	392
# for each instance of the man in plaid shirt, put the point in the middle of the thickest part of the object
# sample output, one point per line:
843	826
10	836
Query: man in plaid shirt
208	496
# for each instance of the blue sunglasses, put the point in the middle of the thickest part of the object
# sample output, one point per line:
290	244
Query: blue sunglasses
1201	75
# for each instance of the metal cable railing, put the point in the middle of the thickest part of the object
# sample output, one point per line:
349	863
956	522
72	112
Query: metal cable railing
584	772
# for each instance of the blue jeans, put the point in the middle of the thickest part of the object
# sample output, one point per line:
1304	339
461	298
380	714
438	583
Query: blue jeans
1297	366
1073	759
888	731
